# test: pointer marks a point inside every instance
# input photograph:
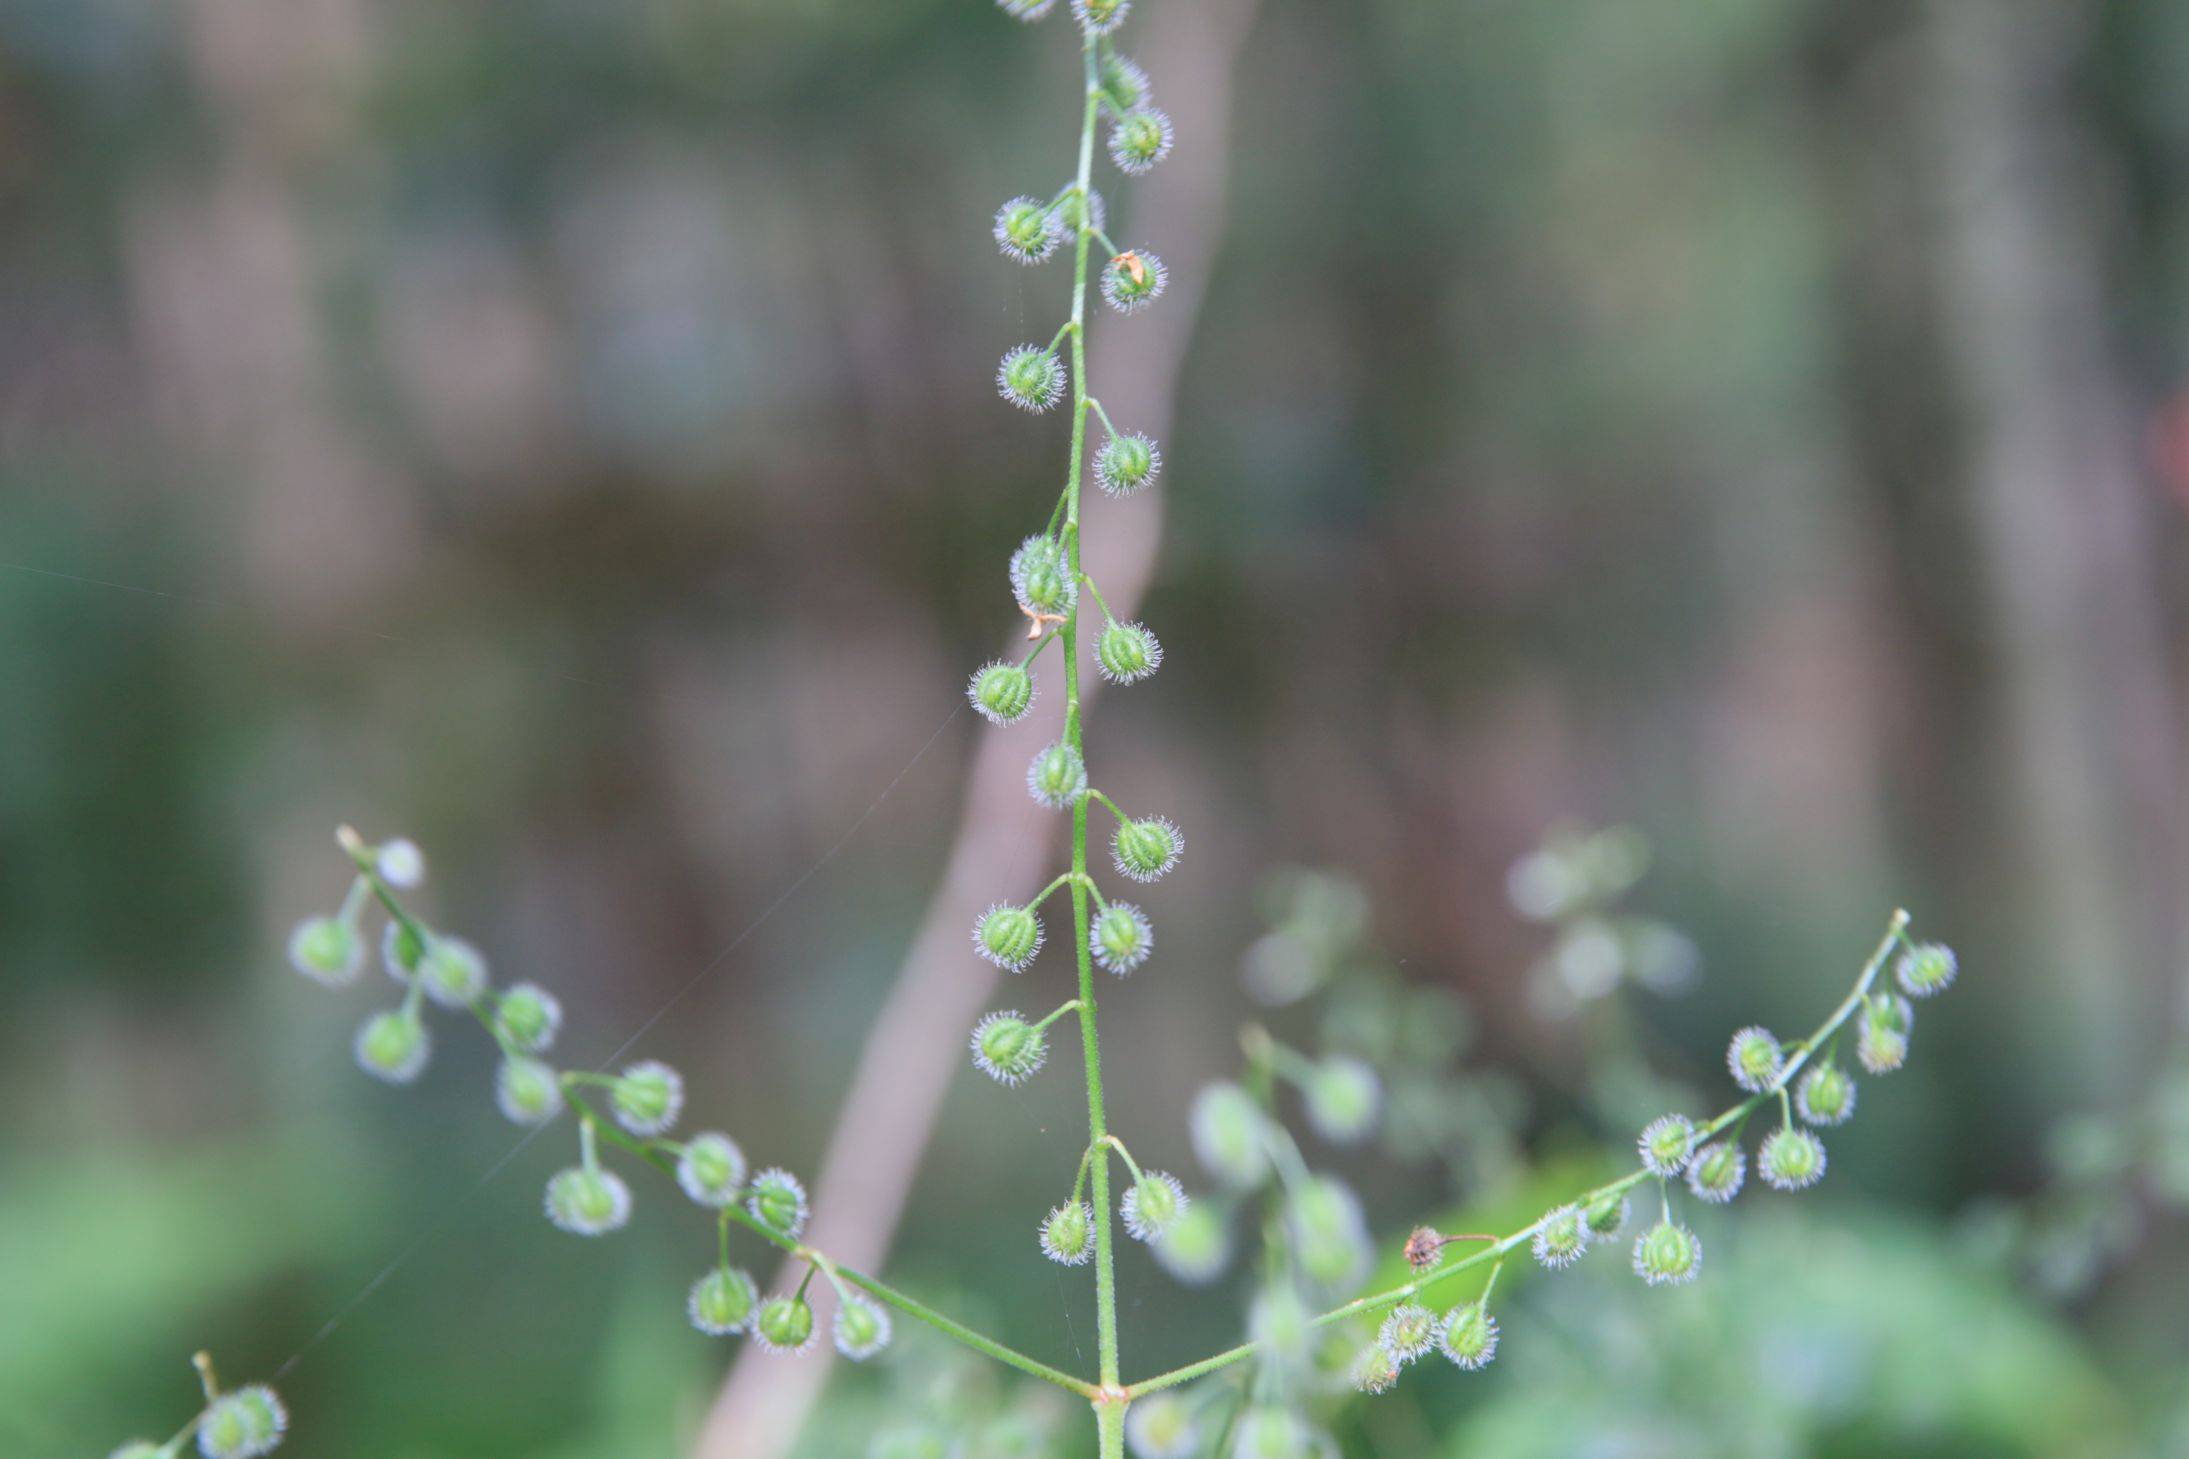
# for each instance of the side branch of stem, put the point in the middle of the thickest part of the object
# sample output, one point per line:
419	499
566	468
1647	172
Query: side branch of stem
909	1305
1376	1302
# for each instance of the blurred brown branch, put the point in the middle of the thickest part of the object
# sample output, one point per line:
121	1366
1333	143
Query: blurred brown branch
2063	521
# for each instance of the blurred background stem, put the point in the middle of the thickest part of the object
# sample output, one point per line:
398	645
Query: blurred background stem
2068	534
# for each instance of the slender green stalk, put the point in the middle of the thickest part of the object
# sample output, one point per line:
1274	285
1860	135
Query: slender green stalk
1267	1059
1109	1411
1127	1156
1114	808
1265	1056
910	1306
1377	1302
1044	894
1096	406
1079	1180
593	1126
1088	582
210	1386
1069	1006
353	846
1028	377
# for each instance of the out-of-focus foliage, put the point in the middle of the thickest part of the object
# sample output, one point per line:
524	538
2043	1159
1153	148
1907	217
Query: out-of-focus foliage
121	1261
1413	1035
1819	1333
2110	1180
1821	1327
1574	884
941	1403
566	430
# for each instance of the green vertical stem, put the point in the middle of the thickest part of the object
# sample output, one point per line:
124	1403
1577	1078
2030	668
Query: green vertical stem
1109	1416
1110	1429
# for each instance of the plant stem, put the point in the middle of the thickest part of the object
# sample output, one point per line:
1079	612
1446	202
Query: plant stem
1127	1155
1284	1154
909	1306
1110	1414
1114	809
353	846
1105	607
1043	895
1079	1180
1380	1300
1028	661
1069	1006
592	1126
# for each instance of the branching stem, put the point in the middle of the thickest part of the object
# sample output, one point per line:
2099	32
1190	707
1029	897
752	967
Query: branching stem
1046	638
1109	1411
1071	1006
593	1127
1127	1156
1114	808
1380	1300
910	1306
1108	1397
1107	615
1044	894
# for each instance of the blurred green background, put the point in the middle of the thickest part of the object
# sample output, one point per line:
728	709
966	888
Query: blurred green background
562	431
